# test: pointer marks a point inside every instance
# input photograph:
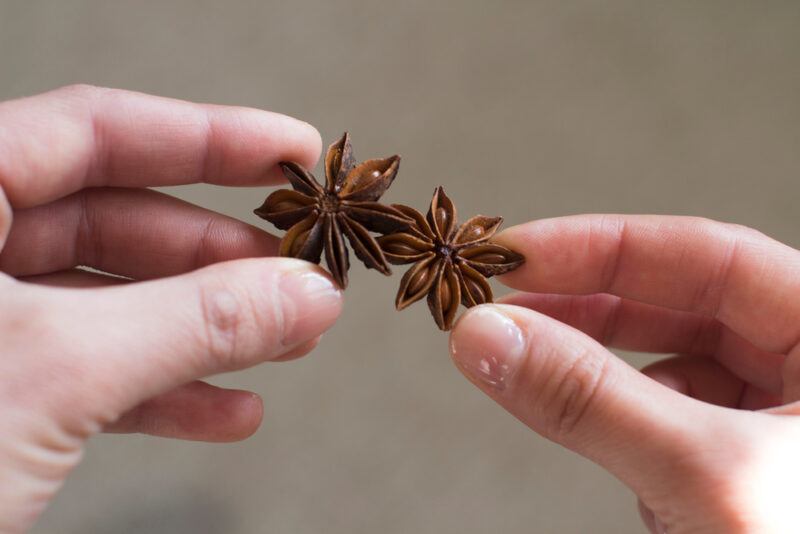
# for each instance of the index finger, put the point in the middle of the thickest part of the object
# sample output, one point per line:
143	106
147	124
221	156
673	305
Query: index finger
81	136
734	274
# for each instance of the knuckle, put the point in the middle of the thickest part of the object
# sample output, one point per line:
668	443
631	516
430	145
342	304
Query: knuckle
570	394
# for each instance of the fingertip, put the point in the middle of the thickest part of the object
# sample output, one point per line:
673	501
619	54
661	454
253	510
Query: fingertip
284	304
216	415
246	415
525	234
312	144
196	411
225	317
245	145
299	142
488	346
518	238
298	352
507	236
311	301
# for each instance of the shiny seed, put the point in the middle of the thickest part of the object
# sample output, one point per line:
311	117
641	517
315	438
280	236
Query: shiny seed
475	232
417	281
474	289
286	205
399	248
441	218
444	295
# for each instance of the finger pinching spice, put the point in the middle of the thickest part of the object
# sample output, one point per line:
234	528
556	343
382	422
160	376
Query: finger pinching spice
451	261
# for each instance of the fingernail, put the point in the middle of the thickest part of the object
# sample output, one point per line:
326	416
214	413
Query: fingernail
311	303
488	346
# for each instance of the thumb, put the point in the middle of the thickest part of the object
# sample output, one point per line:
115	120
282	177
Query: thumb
122	345
570	389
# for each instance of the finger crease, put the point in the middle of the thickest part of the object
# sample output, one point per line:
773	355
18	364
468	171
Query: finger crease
579	393
88	250
203	245
706	338
612	320
712	294
97	168
205	175
611	270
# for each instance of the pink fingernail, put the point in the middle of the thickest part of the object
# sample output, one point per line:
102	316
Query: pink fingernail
311	303
488	346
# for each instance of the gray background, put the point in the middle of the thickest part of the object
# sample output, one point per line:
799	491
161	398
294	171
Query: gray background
525	109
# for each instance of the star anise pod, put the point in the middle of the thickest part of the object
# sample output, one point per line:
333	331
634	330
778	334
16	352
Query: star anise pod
451	262
318	218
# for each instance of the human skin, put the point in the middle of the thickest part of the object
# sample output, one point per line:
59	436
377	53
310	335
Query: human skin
708	439
84	352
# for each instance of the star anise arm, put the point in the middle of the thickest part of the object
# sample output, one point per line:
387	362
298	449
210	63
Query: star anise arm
284	208
376	217
491	259
304	240
300	179
364	245
445	296
336	255
417	281
338	162
370	179
442	215
404	247
474	287
476	230
420	225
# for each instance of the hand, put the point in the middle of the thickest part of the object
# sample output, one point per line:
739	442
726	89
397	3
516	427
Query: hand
714	451
105	353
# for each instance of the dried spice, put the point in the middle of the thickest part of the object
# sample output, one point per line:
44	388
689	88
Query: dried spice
319	218
451	262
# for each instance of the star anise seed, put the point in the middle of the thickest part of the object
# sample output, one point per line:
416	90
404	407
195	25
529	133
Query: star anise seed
318	218
451	262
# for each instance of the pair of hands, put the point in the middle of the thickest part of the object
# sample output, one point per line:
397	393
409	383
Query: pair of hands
706	439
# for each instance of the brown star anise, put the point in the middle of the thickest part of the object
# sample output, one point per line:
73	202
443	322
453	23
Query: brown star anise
451	262
318	218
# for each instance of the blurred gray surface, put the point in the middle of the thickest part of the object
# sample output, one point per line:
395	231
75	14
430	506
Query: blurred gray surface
524	109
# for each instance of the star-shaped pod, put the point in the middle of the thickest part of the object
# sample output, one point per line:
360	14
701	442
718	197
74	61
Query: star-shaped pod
318	218
451	262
